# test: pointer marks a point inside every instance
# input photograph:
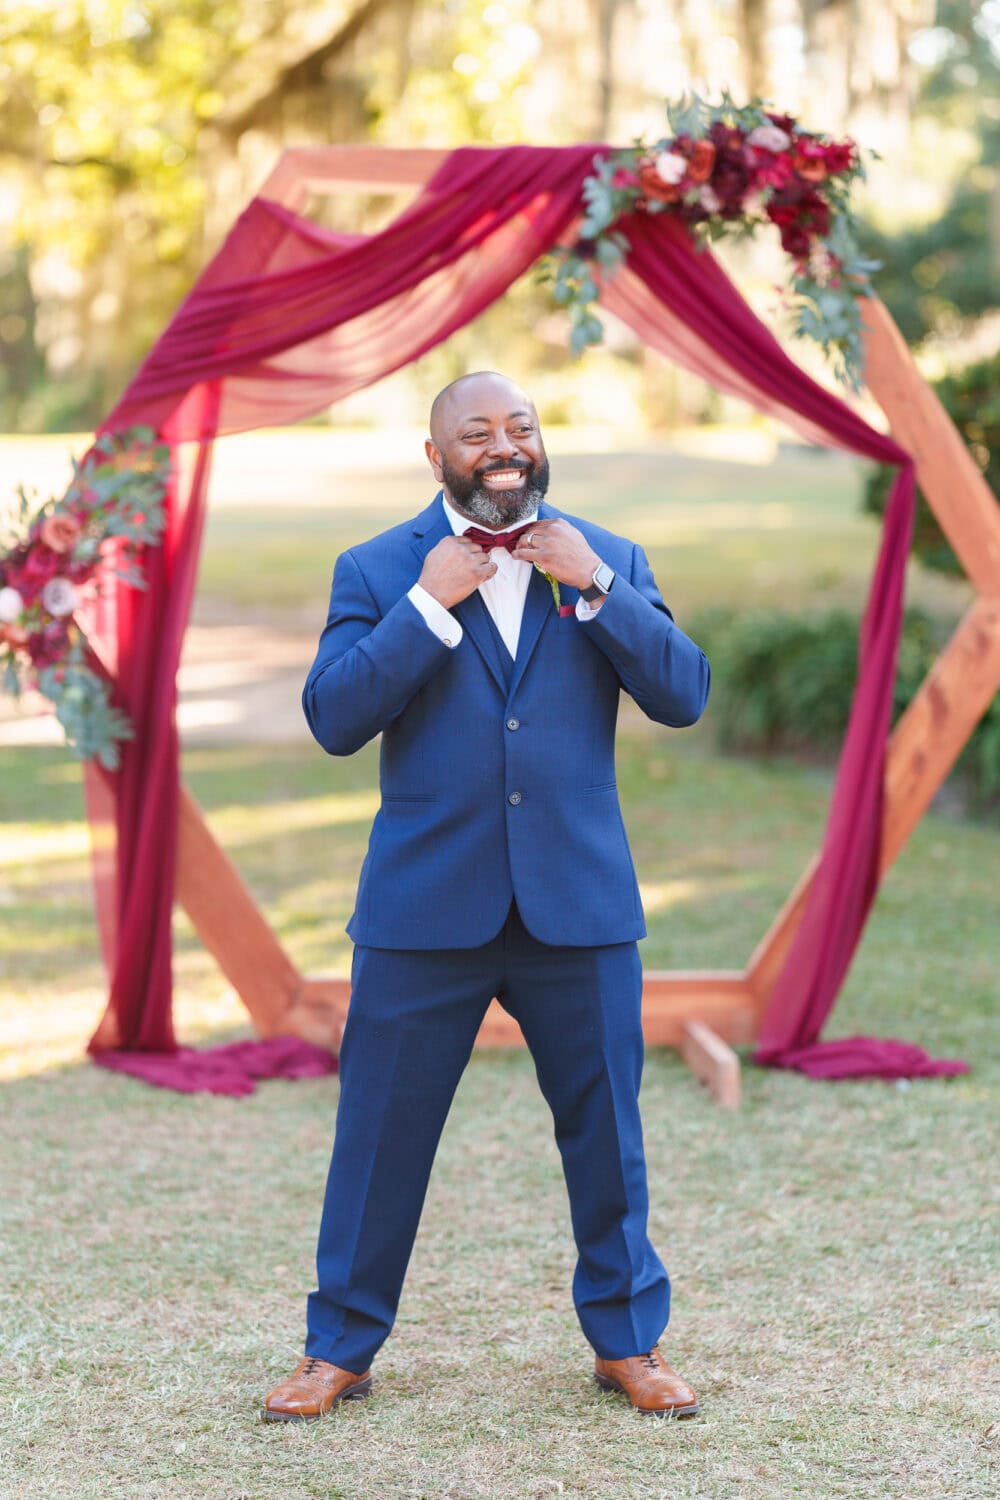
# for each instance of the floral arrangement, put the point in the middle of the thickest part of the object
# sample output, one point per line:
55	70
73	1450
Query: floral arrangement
49	566
726	169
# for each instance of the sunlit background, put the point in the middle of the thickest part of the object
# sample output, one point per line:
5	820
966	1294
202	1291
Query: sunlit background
131	134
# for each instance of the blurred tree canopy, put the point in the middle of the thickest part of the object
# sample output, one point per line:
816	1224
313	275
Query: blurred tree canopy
938	275
133	131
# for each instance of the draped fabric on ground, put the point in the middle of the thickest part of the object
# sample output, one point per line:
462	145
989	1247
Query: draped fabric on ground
288	318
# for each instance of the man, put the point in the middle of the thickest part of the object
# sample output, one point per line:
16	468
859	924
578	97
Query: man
497	865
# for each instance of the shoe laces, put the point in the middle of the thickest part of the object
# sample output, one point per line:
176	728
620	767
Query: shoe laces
311	1365
650	1360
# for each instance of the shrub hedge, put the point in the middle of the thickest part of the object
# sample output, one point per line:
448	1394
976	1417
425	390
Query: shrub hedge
783	683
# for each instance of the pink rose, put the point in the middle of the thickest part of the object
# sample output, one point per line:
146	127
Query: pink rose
60	532
769	138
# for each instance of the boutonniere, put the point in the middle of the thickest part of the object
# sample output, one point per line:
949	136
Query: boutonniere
561	609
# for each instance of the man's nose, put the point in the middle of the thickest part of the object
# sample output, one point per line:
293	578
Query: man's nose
502	446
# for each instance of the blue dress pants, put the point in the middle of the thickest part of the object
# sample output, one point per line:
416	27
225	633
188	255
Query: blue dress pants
412	1022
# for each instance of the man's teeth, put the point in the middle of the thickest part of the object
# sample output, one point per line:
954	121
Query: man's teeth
505	476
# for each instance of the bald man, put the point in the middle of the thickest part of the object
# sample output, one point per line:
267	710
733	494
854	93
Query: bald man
497	866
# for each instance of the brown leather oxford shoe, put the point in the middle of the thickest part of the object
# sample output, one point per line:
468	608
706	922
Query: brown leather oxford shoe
312	1389
649	1383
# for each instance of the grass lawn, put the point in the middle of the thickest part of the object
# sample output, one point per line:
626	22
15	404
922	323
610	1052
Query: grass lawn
831	1245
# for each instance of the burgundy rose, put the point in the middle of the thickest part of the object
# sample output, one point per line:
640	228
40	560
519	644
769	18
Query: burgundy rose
772	171
782	213
814	214
731	181
48	646
30	576
796	241
839	156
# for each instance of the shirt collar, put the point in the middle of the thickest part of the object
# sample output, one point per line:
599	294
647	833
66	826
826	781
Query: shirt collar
460	523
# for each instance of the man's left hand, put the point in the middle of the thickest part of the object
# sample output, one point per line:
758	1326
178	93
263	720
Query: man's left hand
558	548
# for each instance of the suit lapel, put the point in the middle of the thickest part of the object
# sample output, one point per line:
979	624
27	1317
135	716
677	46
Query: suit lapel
538	606
475	618
428	529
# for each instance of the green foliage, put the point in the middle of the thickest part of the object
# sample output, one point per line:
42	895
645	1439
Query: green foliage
936	274
971	398
117	494
121	123
93	728
783	683
103	105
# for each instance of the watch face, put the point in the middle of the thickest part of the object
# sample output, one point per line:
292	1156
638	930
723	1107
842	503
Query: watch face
604	577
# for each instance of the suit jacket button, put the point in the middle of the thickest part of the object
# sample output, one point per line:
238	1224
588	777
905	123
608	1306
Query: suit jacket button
513	723
514	798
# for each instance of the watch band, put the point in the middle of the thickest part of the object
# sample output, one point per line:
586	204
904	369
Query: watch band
600	586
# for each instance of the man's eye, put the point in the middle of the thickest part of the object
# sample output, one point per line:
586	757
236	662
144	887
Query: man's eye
473	437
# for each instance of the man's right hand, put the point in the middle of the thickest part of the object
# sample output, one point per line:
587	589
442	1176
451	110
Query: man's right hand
454	569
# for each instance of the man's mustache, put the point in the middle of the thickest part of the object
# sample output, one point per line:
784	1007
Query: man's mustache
504	468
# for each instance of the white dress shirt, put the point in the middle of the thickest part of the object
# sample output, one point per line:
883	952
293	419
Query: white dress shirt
503	594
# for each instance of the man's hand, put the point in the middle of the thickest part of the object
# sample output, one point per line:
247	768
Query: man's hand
558	548
454	569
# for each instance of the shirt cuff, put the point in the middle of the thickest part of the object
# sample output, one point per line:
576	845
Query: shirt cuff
440	620
585	611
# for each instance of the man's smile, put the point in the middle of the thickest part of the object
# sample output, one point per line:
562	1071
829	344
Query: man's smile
505	479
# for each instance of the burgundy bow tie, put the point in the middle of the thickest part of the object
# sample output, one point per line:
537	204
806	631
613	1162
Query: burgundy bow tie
488	539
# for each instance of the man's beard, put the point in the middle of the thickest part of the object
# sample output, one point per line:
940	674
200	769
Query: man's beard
497	509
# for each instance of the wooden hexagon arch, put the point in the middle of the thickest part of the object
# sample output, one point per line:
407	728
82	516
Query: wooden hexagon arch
702	1012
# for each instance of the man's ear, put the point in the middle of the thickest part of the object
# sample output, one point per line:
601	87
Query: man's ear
434	459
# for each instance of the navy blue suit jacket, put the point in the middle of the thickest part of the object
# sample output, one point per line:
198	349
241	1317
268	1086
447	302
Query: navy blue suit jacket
496	783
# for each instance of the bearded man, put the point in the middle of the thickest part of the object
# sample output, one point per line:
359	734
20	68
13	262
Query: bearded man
497	866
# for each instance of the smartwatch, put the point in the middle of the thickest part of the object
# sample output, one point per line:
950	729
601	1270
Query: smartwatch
603	578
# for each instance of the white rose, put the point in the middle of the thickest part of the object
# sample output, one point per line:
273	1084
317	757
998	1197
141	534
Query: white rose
770	137
670	167
11	605
709	198
59	597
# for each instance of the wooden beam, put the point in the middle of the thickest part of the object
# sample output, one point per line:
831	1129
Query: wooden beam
670	1001
318	1012
767	958
302	171
938	722
713	1062
281	1001
225	917
956	491
959	688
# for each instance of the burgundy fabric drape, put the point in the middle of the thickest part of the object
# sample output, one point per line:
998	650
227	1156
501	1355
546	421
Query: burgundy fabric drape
288	318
